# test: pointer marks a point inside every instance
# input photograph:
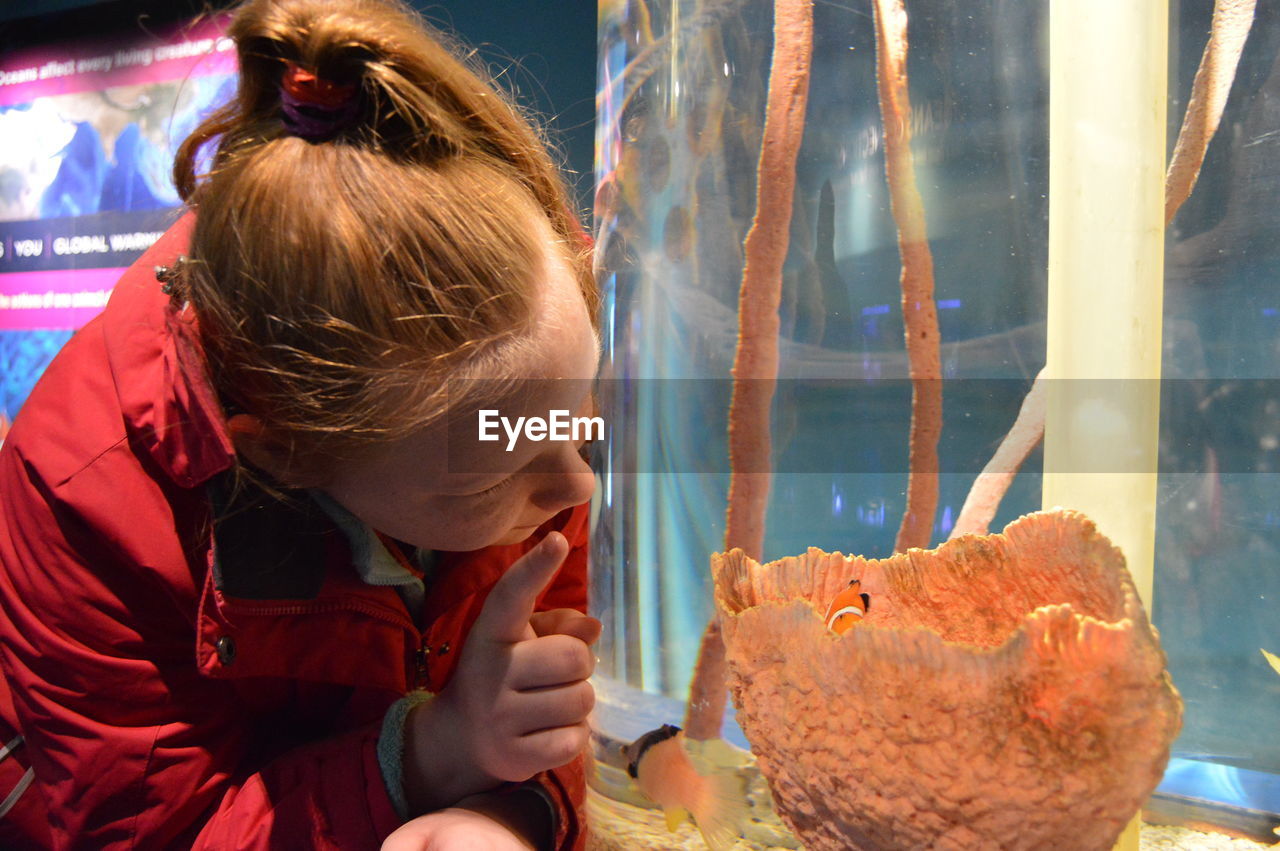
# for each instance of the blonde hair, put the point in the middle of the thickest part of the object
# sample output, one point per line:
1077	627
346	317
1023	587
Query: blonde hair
337	283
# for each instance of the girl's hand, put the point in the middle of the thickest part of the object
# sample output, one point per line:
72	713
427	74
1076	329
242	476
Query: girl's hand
454	829
519	699
513	821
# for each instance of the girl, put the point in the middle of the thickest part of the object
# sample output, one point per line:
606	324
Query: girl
261	585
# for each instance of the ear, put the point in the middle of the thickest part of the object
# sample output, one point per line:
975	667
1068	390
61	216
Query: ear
256	444
249	437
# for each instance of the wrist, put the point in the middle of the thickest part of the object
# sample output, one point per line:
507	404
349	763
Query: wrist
437	773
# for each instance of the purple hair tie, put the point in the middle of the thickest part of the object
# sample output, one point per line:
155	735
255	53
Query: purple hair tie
316	109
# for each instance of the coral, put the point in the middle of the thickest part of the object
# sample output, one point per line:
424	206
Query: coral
755	366
1232	20
1003	691
919	311
993	482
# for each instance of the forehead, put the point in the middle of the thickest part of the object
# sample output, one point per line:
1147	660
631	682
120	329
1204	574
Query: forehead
560	305
551	368
450	451
555	402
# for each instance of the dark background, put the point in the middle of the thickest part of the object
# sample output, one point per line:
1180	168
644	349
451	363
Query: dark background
547	49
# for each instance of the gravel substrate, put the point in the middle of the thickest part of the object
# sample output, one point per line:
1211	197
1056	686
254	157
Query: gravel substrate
620	827
1161	836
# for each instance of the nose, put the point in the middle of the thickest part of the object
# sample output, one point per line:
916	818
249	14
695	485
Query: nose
569	482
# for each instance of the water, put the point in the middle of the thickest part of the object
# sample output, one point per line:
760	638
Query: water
841	315
682	96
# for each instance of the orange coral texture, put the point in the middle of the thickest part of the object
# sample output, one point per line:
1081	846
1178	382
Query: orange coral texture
1004	691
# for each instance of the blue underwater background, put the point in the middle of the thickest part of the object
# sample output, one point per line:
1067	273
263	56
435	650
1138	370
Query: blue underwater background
135	178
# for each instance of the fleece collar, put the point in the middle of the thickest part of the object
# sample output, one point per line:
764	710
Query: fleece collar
373	561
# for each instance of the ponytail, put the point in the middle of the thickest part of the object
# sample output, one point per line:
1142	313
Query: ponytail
373	217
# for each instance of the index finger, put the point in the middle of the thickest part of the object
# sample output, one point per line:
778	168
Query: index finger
506	612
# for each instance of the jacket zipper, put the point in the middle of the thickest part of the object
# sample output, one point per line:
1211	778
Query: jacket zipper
324	608
421	678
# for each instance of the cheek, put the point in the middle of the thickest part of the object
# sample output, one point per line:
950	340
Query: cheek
463	527
458	524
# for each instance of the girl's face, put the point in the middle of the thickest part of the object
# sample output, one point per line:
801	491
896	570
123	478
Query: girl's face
444	489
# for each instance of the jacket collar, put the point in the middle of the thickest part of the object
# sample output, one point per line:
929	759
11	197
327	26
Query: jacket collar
169	409
281	588
282	583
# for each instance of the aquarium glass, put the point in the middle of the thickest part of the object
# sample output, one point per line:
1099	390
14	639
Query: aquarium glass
681	114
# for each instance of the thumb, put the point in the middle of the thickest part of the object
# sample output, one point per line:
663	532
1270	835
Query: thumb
506	612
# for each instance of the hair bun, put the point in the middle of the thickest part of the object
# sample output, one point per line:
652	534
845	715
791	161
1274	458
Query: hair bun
402	75
315	108
417	97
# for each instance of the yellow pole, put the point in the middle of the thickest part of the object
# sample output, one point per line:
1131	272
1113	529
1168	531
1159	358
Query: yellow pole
1107	78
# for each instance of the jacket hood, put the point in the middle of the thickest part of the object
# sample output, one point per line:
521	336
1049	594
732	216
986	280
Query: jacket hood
169	409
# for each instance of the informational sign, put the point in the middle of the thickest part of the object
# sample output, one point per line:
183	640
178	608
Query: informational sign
88	132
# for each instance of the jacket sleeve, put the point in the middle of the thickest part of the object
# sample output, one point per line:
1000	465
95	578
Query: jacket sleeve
328	794
130	745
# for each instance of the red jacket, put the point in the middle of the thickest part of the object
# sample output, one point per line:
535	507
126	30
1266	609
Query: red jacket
179	680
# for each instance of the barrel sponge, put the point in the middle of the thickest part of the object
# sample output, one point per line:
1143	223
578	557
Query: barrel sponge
1003	691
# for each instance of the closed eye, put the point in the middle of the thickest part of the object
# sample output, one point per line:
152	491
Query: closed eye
495	488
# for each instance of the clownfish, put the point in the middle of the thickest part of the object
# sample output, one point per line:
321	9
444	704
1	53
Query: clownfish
661	767
847	608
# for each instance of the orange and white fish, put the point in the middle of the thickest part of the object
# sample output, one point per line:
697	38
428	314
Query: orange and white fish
848	608
666	775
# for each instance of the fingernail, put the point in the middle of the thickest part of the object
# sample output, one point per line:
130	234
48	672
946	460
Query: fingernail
549	542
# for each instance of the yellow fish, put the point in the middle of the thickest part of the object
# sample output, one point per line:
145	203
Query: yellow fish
661	767
1273	660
